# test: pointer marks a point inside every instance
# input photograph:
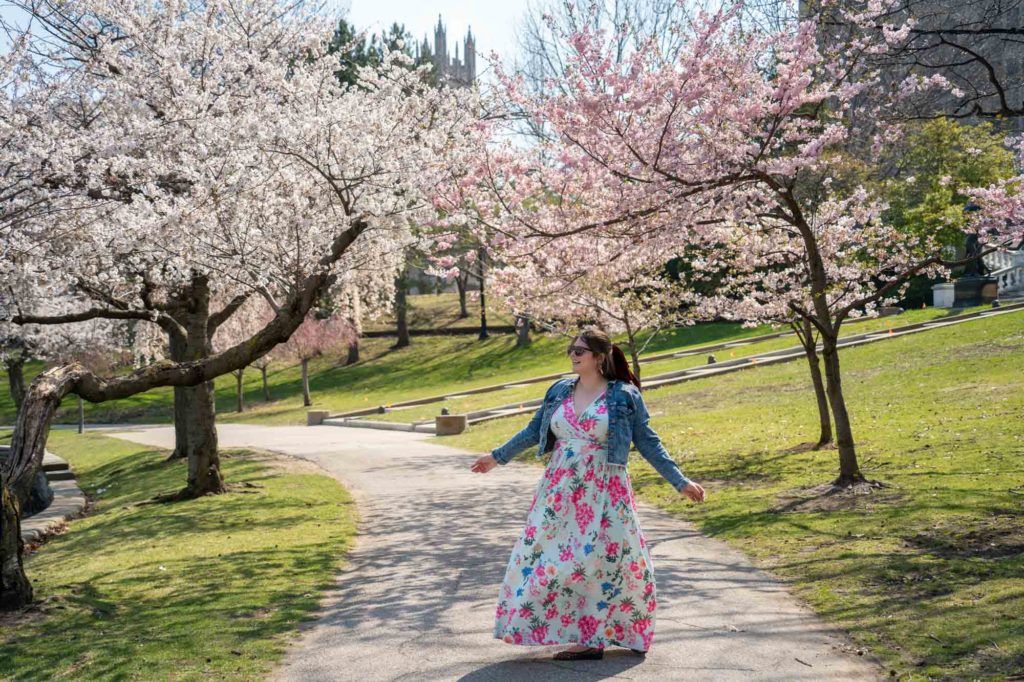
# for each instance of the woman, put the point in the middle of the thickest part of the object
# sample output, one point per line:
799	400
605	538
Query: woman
581	571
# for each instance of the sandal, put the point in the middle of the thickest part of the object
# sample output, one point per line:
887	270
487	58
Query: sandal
591	653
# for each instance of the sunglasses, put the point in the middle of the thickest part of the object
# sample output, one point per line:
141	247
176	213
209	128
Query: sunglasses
578	350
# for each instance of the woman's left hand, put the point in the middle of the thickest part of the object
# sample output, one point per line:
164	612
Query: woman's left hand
694	491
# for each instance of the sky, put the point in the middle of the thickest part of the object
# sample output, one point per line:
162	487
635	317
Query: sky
493	21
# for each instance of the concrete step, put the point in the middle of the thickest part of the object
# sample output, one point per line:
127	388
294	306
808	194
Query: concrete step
383	426
63	475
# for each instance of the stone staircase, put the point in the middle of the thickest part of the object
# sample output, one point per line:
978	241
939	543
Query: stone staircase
56	492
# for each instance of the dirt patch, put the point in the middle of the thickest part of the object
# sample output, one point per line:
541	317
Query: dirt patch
995	537
285	464
827	498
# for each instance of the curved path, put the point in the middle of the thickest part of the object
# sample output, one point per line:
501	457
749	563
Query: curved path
416	599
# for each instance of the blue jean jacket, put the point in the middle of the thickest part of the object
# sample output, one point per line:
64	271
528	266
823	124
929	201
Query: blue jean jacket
628	421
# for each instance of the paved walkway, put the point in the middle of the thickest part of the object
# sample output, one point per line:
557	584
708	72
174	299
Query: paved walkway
416	599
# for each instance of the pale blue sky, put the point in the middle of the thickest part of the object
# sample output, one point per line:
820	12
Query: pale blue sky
493	21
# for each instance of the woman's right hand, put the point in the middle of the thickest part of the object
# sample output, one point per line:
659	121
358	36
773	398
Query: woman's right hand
484	464
694	491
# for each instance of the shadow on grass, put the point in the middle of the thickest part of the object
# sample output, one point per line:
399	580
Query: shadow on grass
203	587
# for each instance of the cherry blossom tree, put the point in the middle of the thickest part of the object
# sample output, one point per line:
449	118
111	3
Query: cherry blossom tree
731	133
250	317
592	281
316	337
201	154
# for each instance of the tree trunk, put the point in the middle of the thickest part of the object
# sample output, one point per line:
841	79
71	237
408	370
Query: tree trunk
81	415
849	470
353	353
400	311
522	331
196	424
631	342
239	393
305	383
805	332
16	380
15	588
184	399
266	387
17	473
483	303
204	476
462	282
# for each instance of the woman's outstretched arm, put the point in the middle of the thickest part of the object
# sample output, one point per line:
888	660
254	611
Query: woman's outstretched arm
529	435
649	445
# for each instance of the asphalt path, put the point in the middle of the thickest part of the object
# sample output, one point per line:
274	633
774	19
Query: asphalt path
415	599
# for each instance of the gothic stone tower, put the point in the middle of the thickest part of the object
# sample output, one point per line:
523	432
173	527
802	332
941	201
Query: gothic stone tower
456	70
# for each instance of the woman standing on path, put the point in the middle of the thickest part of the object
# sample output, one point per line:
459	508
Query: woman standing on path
581	571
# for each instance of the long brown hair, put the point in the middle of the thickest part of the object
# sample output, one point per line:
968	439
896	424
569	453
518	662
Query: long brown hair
614	365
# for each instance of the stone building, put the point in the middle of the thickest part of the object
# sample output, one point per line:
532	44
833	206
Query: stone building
457	69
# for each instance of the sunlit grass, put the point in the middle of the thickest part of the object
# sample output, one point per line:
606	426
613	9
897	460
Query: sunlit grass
211	588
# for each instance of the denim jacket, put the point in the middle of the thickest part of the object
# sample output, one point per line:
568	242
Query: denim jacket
627	422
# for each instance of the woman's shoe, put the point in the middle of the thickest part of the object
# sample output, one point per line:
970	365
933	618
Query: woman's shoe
591	653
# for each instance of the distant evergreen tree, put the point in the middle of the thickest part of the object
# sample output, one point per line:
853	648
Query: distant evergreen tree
362	50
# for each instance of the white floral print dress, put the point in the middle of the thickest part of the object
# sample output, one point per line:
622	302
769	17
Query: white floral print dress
581	571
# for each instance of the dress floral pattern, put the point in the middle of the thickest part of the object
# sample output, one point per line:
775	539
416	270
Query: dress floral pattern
581	571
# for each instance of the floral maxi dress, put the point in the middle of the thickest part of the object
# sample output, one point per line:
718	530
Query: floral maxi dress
581	571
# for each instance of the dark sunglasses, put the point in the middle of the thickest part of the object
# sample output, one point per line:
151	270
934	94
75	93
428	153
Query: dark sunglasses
578	350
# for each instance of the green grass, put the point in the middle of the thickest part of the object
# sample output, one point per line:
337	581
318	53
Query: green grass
435	311
649	369
206	589
430	366
927	573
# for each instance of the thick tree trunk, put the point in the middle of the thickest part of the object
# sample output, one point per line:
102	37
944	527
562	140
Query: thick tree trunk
402	325
462	282
204	476
849	470
522	331
483	302
195	425
305	383
266	386
353	353
183	400
15	588
805	332
16	380
239	392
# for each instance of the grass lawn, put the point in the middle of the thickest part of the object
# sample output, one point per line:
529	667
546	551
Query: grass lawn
430	366
435	311
928	573
206	589
649	369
